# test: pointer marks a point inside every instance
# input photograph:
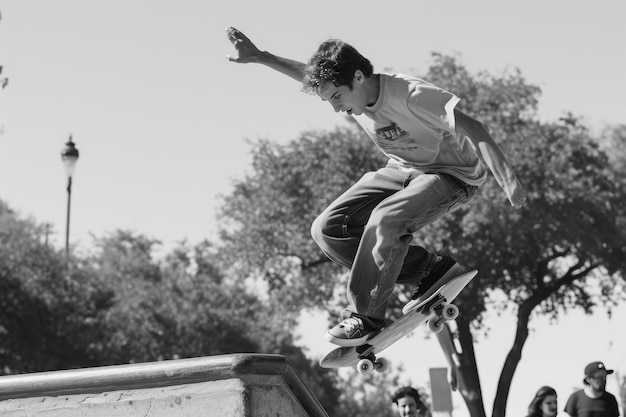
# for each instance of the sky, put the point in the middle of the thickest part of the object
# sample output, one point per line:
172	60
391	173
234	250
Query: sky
161	118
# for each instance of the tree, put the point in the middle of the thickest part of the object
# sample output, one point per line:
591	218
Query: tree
181	306
120	304
44	314
613	142
564	250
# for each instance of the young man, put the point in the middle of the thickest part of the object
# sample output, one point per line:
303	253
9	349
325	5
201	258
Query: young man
436	156
593	400
408	403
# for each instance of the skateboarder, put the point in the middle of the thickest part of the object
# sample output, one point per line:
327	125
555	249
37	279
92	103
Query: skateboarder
436	155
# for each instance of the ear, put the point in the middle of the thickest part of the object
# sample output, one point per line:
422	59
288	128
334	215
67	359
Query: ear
359	77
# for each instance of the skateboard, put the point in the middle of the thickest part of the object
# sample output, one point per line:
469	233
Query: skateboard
435	310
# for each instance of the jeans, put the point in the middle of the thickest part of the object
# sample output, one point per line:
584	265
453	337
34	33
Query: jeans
369	229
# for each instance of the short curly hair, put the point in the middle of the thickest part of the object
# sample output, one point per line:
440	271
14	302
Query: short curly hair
334	61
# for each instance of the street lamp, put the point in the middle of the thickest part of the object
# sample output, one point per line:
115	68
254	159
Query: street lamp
69	156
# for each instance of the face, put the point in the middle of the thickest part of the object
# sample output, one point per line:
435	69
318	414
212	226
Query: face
407	407
549	406
344	99
597	381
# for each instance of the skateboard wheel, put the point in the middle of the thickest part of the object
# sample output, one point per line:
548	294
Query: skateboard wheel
435	325
382	365
365	367
450	312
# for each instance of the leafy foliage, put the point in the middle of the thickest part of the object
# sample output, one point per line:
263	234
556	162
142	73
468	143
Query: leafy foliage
119	304
163	311
266	219
613	141
44	316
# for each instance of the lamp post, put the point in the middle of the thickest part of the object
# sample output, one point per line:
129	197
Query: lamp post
69	156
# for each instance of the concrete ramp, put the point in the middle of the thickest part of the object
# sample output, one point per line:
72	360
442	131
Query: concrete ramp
249	385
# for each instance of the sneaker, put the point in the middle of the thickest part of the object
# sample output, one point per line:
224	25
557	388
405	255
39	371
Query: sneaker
352	331
345	314
444	269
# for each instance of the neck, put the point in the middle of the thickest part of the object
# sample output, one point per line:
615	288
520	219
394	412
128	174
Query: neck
372	88
592	392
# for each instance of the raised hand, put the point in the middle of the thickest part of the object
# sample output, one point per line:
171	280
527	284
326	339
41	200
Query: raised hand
246	50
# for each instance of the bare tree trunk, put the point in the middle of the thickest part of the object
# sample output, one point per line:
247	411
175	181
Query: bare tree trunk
512	360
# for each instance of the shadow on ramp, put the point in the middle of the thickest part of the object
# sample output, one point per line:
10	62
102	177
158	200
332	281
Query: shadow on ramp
250	385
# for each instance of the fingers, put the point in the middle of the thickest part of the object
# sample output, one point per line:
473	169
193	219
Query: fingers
234	35
230	30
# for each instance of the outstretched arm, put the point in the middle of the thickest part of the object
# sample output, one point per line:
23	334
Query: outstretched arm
492	155
247	52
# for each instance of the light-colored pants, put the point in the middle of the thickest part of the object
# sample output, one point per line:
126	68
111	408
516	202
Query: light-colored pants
370	227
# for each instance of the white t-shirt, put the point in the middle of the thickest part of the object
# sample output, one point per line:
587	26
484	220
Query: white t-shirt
412	122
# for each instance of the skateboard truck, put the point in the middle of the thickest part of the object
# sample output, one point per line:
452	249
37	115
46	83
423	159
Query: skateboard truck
368	362
443	310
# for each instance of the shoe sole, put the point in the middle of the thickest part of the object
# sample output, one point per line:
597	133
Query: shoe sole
454	271
348	342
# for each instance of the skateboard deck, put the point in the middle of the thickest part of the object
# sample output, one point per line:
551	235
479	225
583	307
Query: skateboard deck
435	310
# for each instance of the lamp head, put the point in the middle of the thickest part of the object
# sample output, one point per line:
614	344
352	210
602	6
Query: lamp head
69	156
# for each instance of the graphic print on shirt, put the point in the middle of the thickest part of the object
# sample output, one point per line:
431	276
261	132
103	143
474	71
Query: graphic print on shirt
393	137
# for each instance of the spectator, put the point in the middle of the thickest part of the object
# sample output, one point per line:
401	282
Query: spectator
409	403
593	400
544	404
